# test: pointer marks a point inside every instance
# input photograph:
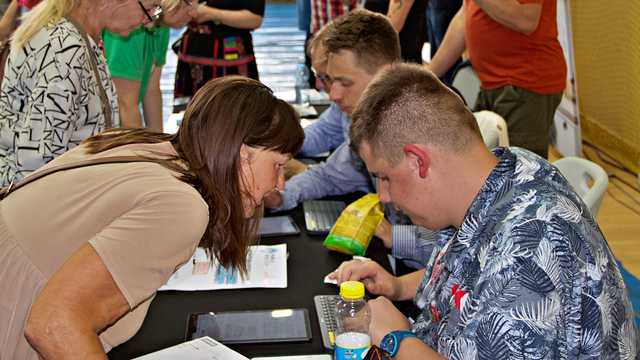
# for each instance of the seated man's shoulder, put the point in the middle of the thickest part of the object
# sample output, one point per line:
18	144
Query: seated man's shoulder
540	211
538	190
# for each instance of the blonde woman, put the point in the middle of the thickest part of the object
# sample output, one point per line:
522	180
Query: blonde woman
57	90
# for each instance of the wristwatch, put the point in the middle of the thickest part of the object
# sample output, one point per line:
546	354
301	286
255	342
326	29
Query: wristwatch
391	342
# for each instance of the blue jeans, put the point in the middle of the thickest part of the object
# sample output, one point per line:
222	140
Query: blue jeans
439	15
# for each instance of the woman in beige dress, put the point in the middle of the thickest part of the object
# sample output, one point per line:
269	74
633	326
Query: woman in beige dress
83	251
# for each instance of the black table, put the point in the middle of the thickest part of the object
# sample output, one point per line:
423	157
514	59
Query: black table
307	265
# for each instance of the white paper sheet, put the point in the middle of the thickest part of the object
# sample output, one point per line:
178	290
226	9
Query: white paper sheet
204	348
295	357
266	267
305	110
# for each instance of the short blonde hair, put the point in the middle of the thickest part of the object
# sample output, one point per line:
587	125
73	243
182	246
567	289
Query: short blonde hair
318	38
169	5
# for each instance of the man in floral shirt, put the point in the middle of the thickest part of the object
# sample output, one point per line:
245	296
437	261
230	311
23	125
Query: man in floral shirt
522	270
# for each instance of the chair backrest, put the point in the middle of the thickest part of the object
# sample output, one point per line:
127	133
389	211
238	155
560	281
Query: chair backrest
467	83
588	179
493	128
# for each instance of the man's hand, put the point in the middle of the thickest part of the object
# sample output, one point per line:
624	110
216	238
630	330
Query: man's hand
294	167
273	200
383	231
384	319
376	279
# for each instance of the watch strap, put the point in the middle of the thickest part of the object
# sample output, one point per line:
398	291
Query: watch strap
398	336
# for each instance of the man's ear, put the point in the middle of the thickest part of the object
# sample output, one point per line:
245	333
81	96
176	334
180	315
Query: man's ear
418	157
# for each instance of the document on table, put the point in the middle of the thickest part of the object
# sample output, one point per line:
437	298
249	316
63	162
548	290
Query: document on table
295	357
305	110
204	348
266	268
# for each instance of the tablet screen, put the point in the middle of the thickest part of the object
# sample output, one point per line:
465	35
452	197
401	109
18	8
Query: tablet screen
256	326
278	225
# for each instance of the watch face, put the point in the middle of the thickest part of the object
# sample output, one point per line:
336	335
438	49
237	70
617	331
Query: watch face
388	343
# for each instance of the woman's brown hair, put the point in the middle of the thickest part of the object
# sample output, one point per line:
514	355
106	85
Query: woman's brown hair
222	116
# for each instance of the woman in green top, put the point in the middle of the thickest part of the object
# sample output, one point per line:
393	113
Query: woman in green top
135	62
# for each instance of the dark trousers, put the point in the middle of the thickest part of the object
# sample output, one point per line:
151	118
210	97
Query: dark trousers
529	115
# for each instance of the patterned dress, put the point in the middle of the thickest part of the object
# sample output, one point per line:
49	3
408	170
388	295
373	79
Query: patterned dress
211	50
49	100
528	275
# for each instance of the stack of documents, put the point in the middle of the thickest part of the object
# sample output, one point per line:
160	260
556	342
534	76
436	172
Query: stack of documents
266	268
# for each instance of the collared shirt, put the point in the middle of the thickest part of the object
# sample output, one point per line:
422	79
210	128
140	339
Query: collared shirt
326	133
528	275
414	244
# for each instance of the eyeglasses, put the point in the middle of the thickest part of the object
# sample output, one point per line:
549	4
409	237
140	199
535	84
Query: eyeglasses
321	76
153	14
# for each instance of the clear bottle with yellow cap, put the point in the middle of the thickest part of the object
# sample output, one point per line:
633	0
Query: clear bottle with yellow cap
353	317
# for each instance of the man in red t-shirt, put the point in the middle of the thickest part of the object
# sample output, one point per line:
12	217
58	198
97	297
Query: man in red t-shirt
513	47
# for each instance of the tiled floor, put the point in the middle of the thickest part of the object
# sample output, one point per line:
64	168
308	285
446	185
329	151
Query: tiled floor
278	46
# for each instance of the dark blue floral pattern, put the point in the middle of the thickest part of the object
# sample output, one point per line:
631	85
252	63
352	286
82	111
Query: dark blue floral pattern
528	275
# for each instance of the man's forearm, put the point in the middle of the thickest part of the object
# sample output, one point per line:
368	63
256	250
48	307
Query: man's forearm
409	285
523	18
415	349
324	134
452	46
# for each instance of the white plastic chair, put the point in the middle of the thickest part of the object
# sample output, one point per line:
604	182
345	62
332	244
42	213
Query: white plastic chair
467	83
588	179
493	128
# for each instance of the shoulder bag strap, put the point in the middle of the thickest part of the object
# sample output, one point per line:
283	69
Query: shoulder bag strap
93	61
5	191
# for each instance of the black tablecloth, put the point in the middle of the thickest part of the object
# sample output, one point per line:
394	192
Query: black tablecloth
307	265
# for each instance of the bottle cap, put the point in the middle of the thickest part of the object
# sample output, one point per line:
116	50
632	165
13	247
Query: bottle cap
352	290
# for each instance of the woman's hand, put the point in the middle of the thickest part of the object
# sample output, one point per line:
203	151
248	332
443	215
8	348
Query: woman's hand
273	200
